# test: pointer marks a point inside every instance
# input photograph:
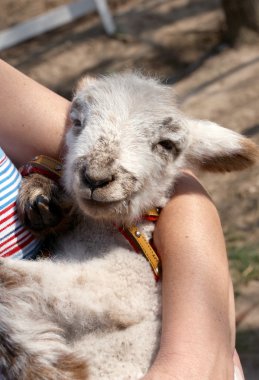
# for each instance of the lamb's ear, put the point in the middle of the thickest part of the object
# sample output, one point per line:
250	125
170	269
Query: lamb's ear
218	149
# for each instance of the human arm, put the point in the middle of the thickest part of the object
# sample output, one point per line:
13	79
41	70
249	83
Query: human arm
198	329
33	118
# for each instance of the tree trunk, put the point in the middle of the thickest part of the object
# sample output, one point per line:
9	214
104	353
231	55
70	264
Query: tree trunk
240	15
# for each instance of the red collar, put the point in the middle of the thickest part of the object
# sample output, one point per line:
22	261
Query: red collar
46	166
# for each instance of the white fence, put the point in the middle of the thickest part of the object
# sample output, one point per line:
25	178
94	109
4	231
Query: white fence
55	18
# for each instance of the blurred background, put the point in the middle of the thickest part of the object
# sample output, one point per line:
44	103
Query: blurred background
209	51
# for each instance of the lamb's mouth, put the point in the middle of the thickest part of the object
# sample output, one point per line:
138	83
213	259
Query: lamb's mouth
102	205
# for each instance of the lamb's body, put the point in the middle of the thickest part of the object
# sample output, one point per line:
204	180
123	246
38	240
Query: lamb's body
104	298
97	301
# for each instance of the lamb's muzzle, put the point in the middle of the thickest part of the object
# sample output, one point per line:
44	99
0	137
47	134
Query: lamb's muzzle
93	183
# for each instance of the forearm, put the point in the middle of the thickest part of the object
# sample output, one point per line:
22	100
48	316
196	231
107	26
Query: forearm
29	112
197	303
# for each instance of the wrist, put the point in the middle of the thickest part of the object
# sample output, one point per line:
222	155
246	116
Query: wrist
217	365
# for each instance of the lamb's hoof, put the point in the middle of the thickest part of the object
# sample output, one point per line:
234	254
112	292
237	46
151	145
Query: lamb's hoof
39	203
41	213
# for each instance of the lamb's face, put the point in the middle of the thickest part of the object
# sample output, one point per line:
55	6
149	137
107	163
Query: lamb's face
125	146
129	142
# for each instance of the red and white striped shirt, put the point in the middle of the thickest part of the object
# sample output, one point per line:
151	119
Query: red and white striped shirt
15	240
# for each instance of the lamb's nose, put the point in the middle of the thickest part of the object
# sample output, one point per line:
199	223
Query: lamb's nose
95	184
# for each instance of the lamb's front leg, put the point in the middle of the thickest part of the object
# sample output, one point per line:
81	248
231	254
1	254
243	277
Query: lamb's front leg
31	345
42	205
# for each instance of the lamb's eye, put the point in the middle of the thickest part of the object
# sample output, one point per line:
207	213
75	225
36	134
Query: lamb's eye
167	144
77	123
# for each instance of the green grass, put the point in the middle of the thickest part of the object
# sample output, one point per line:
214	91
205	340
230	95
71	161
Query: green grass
244	264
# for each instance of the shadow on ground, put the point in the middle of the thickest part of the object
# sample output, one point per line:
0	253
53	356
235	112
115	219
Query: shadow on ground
247	346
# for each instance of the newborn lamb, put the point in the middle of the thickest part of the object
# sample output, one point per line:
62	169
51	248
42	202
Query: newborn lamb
93	311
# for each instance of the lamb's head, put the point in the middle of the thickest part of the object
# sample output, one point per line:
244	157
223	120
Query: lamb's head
129	141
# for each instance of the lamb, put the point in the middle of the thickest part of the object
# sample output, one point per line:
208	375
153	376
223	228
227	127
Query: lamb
78	316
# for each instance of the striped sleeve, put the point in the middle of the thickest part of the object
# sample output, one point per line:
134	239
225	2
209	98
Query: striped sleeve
15	240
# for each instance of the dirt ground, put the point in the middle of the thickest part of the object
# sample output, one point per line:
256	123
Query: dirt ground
179	41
